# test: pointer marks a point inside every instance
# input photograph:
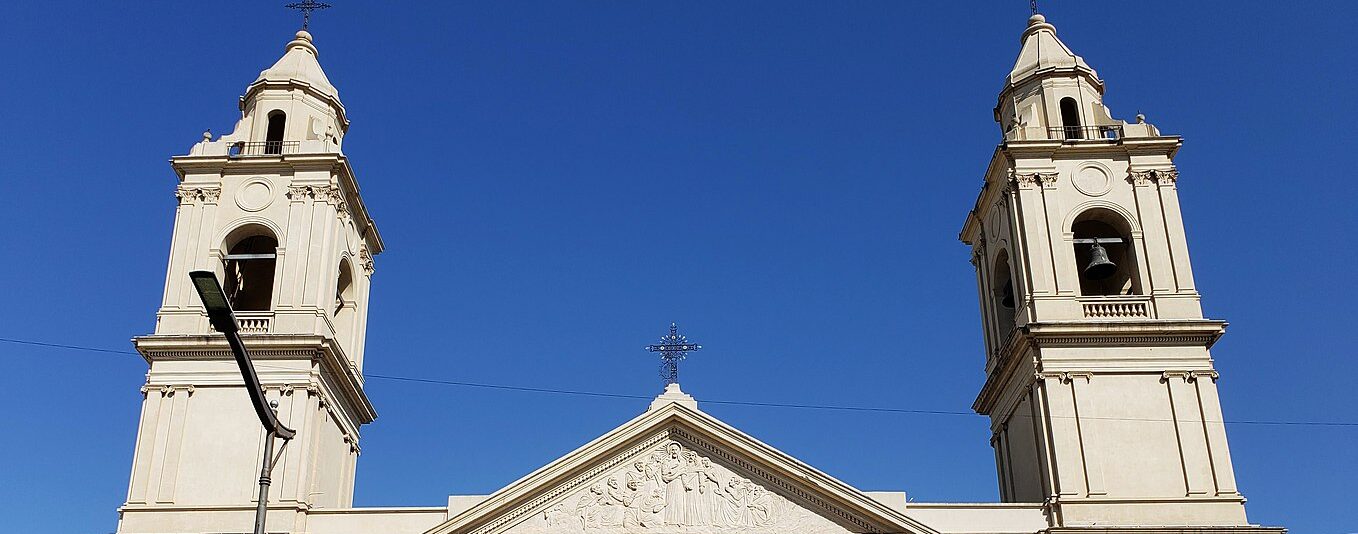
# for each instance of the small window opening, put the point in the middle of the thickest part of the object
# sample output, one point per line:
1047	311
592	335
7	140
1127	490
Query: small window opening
273	141
250	273
1070	119
1104	260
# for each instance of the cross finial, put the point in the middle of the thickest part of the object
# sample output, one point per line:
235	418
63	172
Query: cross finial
1032	4
672	348
306	7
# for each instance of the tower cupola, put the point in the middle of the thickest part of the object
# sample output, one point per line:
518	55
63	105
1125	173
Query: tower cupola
291	108
1052	93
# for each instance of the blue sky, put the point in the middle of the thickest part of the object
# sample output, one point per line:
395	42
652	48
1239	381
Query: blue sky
557	181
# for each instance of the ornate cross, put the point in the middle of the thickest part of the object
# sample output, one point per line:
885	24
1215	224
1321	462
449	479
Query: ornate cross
306	7
672	348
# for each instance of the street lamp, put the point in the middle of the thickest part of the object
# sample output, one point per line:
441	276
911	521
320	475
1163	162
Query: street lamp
224	320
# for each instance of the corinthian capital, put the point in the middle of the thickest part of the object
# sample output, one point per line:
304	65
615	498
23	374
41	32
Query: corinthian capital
1028	179
1153	176
198	195
365	259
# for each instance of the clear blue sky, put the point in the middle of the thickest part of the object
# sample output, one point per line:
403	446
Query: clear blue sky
557	181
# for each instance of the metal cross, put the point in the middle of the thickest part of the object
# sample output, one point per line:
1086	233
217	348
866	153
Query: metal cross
672	348
1033	5
306	7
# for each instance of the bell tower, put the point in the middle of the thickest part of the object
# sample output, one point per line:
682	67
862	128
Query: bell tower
274	209
1100	386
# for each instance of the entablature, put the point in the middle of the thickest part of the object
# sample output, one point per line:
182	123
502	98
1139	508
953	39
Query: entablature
1022	355
335	164
335	376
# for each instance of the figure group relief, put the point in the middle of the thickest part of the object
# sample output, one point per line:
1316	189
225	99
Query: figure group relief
674	490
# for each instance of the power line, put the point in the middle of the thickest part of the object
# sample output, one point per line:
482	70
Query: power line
760	404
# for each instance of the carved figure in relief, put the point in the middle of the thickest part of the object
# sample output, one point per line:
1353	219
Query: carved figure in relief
676	495
587	507
696	507
673	490
557	516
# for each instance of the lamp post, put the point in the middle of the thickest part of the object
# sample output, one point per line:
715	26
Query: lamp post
224	320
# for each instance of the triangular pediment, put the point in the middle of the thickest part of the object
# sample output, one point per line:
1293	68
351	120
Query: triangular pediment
677	470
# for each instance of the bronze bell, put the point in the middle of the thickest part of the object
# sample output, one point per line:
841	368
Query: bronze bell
1100	266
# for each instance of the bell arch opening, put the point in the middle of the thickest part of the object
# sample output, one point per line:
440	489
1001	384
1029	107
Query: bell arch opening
345	312
1003	297
1070	119
1104	256
273	139
250	263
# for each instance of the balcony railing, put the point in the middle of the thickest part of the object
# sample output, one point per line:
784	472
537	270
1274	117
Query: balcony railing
263	148
1074	133
254	322
1117	307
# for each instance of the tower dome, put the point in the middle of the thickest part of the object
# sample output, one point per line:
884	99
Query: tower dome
299	66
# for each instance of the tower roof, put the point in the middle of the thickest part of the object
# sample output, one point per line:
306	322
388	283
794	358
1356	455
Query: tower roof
299	65
1043	52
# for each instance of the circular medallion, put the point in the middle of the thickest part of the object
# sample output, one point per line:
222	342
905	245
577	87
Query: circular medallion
1092	180
254	195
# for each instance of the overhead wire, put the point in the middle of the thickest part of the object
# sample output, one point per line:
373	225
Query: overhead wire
759	404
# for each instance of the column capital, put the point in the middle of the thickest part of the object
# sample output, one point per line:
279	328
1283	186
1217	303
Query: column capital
191	195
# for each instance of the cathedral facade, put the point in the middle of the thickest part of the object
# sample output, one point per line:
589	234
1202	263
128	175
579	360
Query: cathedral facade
1100	384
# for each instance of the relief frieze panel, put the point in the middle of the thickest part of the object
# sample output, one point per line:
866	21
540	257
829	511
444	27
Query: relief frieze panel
670	488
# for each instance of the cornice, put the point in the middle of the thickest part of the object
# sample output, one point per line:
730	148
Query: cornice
1042	74
333	162
1026	342
971	227
309	89
343	378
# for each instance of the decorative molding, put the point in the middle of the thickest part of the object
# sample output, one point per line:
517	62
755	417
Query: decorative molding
1156	176
1065	377
1021	179
1092	178
1069	222
197	195
169	390
676	482
365	260
1117	340
1171	375
329	194
774	480
571	484
255	194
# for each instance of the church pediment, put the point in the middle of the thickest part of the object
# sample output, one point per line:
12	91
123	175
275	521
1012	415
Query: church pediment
676	470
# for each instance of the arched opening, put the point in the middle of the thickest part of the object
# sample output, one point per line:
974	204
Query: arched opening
1070	119
250	272
1104	257
346	306
273	140
1003	297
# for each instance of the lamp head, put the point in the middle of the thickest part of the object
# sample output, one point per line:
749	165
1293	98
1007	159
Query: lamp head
214	299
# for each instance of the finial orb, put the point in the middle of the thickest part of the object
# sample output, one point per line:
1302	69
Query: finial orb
1036	19
304	35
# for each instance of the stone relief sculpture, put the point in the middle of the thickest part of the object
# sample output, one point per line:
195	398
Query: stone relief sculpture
674	490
